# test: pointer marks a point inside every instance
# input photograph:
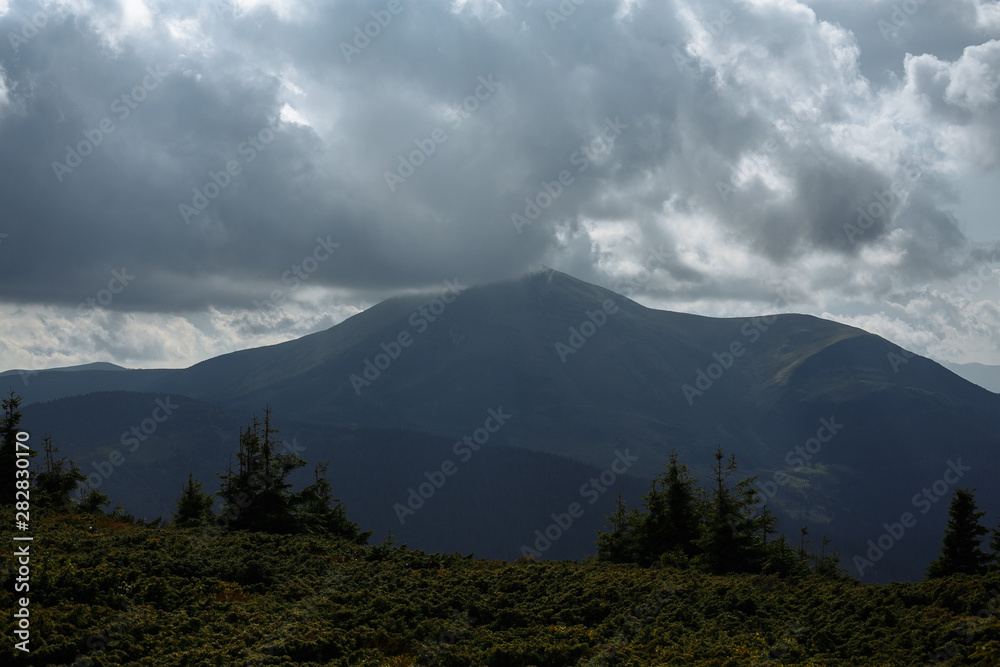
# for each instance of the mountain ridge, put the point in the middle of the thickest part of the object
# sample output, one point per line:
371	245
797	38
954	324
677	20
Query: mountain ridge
582	371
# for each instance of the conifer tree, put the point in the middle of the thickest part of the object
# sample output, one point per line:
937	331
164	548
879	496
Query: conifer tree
9	426
56	482
92	501
827	564
315	512
734	533
194	506
960	549
620	544
995	549
257	495
672	515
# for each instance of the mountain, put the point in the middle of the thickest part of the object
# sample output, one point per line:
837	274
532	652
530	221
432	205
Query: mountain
985	376
51	384
846	429
96	366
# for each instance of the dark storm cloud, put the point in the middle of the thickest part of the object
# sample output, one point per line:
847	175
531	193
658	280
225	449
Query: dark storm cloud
120	206
231	140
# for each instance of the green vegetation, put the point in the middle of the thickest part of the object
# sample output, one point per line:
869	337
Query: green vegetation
283	577
50	487
110	592
257	495
722	530
961	552
194	506
9	421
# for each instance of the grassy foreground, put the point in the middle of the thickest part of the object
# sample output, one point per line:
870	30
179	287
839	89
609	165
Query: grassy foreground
105	592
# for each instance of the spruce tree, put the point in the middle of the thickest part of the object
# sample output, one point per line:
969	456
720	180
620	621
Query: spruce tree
960	549
995	549
56	482
683	506
620	544
735	531
316	513
92	501
672	515
194	506
827	564
9	427
257	495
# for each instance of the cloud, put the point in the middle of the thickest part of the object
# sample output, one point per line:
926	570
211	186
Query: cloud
223	139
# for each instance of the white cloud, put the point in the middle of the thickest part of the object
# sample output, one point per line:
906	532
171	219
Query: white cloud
4	93
481	9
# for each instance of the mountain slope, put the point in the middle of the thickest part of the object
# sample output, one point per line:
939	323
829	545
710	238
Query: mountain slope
844	427
987	377
490	504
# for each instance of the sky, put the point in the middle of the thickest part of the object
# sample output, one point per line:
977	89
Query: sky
183	179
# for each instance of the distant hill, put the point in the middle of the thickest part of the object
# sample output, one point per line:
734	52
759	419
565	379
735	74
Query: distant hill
844	427
48	385
985	376
96	366
490	504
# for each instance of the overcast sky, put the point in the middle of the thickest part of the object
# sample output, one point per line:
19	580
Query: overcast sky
166	166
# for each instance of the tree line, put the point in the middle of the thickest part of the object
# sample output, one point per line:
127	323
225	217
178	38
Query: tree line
726	528
255	495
